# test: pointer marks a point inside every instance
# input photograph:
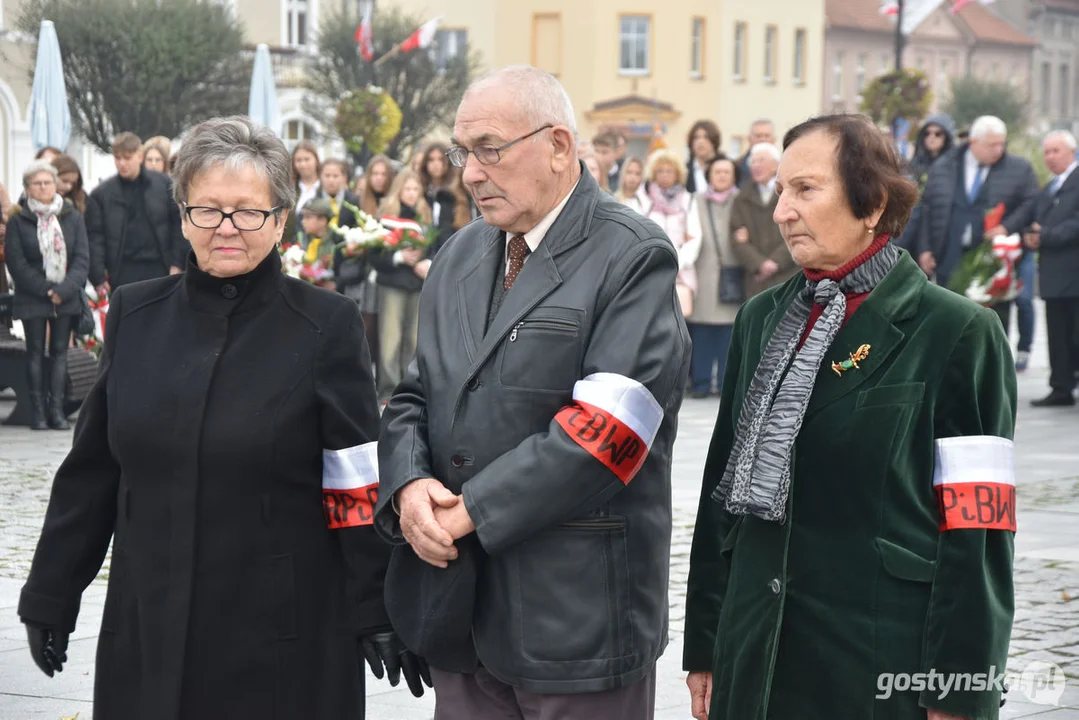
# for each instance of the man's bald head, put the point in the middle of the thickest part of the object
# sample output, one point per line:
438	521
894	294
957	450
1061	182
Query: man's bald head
536	94
526	115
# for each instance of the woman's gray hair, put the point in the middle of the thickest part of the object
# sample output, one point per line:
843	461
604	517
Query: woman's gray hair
235	143
39	166
537	94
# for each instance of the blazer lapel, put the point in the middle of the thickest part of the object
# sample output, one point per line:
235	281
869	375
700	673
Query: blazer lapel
873	324
474	289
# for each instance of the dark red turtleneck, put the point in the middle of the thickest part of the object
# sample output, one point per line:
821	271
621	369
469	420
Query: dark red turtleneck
854	300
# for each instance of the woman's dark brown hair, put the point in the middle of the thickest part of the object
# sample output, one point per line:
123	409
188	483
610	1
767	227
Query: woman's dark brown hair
868	167
305	146
77	196
451	181
710	129
722	158
370	200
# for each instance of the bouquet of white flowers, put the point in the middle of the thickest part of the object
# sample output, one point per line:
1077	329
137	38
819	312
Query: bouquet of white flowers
368	233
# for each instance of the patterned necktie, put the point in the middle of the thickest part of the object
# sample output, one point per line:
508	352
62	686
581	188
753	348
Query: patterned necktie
518	251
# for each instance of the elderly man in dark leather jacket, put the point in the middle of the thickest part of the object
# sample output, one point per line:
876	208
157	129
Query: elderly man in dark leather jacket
526	457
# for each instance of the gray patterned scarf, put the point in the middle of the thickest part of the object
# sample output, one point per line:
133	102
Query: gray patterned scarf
758	474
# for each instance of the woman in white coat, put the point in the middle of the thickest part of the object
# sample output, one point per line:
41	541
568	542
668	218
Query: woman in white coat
675	210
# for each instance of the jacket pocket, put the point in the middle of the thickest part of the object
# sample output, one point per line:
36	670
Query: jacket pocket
543	352
574	592
904	564
902	394
282	597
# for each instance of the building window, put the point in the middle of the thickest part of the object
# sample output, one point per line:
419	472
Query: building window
739	50
297	23
887	63
859	74
837	76
696	60
943	74
1047	89
799	56
634	42
1064	91
449	44
770	43
297	130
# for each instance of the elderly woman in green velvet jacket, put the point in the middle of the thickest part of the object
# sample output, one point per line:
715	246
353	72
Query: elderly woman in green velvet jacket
857	513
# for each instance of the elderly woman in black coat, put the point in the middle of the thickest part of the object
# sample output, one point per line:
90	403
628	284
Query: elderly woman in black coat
49	256
228	451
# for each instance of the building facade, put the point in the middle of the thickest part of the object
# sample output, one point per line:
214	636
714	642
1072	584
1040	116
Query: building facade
860	45
1055	90
644	65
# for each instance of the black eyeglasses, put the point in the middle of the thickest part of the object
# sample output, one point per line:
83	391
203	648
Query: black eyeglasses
247	219
486	154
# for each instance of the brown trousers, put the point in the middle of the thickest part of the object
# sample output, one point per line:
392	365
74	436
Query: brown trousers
483	697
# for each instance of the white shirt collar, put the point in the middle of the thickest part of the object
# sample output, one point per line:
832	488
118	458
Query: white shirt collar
1064	175
535	236
766	190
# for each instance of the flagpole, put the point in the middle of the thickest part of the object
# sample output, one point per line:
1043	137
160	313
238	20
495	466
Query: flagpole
389	54
898	64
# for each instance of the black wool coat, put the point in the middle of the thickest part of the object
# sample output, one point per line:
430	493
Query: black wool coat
106	224
27	266
1058	256
200	453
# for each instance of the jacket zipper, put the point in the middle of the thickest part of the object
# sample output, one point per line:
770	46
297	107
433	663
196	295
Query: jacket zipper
542	325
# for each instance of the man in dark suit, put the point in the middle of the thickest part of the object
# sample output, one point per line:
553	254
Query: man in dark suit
1050	224
133	223
967	182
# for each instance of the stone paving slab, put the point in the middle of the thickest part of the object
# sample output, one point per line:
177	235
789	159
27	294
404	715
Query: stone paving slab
1046	566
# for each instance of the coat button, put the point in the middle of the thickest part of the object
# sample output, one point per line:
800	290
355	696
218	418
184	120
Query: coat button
457	461
473	383
229	291
775	585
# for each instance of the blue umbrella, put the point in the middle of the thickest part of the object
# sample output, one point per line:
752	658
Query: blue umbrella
262	102
50	119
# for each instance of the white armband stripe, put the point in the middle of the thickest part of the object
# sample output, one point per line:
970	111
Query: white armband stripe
625	399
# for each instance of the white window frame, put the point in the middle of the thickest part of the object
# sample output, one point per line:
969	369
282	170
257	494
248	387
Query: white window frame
837	75
696	43
438	56
635	36
771	51
860	73
291	10
943	75
741	30
800	40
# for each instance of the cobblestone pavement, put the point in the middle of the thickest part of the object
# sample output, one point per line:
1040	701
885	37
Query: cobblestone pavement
1046	566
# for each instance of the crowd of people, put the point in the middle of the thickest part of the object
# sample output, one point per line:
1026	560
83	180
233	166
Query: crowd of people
716	210
485	505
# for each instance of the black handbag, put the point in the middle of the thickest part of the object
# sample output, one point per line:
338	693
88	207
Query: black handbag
732	280
86	325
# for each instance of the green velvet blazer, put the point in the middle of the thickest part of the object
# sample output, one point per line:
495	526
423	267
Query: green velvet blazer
871	573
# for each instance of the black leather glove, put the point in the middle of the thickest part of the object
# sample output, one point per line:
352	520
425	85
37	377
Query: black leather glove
386	649
48	647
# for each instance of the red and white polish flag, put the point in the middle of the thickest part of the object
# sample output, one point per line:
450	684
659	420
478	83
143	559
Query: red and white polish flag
350	485
365	33
974	478
423	37
614	418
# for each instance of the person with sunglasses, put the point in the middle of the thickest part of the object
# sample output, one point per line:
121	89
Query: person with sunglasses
227	451
524	461
935	138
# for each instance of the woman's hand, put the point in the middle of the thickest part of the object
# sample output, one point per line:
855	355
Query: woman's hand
56	299
767	269
700	694
422	268
411	256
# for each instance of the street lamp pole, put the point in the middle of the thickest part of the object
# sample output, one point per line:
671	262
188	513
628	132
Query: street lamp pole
899	36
